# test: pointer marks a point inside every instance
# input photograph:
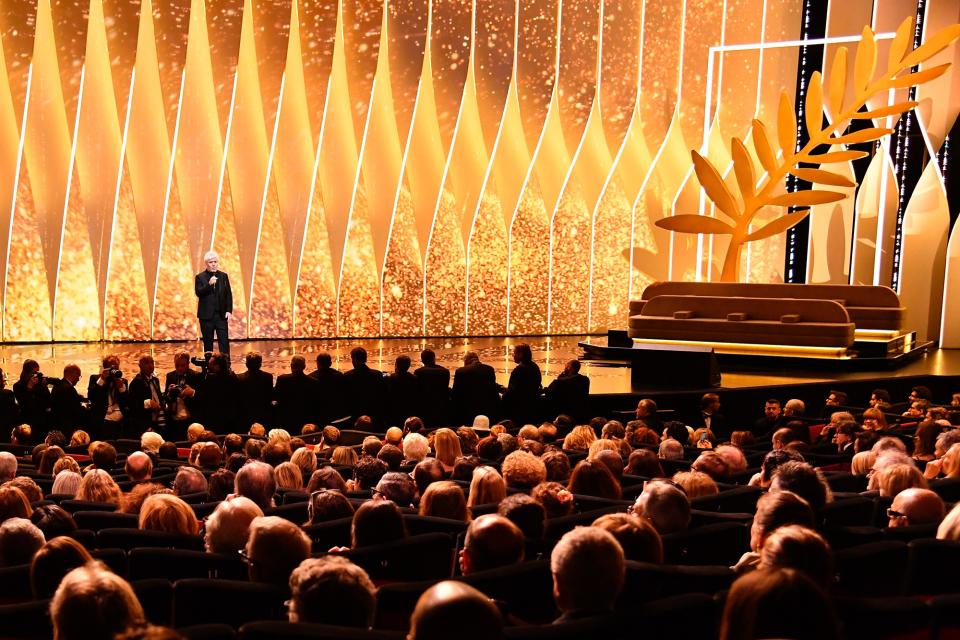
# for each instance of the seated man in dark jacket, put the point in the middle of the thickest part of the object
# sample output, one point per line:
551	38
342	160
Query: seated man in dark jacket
68	410
433	390
569	393
296	394
366	388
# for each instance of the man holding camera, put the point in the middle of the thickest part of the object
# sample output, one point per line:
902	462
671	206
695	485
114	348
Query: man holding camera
145	399
180	390
214	303
107	393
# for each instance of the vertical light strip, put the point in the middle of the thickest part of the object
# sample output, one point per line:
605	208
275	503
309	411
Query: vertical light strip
263	198
16	185
66	200
116	197
223	161
166	200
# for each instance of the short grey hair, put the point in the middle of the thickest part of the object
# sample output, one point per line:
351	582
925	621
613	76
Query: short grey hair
228	527
8	466
415	447
588	569
211	255
947	439
795	407
671	449
665	506
20	539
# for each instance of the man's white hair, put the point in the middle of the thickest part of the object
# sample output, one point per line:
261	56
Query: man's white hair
415	447
211	255
8	466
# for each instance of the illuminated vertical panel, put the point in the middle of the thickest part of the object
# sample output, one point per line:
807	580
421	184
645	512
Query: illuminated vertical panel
621	56
663	136
17	24
36	224
529	251
495	63
359	290
173	315
402	275
876	217
831	225
315	300
571	222
940	98
764	259
445	264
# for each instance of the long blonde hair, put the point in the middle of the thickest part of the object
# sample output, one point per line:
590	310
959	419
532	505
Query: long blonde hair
486	487
446	445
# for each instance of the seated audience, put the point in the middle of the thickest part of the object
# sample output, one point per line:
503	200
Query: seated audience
397	487
255	480
19	540
637	537
949	529
138	467
593	478
774	510
98	486
228	527
331	590
52	562
445	499
644	462
376	522
696	484
275	547
134	499
326	478
328	504
53	521
486	487
556	499
450	605
93	603
801	548
525	512
169	514
189	481
664	505
803	480
13	504
915	506
588	569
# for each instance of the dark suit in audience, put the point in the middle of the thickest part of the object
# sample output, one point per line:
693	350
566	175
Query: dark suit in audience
9	412
402	393
569	393
257	389
521	400
366	388
34	403
68	412
475	390
330	391
219	396
433	391
296	395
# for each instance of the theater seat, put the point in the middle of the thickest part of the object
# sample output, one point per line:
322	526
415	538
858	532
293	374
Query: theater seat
693	616
27	620
647	581
72	506
424	557
96	520
286	630
127	539
295	512
85	537
606	627
894	618
230	602
326	535
947	488
714	544
556	527
417	525
945	617
176	564
932	567
849	512
156	598
15	584
873	569
115	559
208	632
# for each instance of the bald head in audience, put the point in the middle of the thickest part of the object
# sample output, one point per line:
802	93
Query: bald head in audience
916	506
455	609
665	506
491	541
138	467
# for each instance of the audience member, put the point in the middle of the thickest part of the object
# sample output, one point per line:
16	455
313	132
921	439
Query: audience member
274	548
55	559
588	569
93	603
456	605
525	512
664	505
19	540
445	499
331	590
491	541
637	537
914	506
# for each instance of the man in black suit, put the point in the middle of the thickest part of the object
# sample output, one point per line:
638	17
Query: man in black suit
68	412
366	388
569	393
521	400
180	396
214	303
145	399
402	392
107	394
772	419
296	394
330	390
475	390
710	417
9	411
219	396
256	387
433	390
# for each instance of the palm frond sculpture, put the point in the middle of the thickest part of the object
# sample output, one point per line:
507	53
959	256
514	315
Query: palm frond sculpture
778	163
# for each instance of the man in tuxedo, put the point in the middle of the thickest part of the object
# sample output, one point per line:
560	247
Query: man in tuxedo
108	399
256	388
366	388
68	412
145	399
214	304
295	394
402	392
219	396
569	393
521	399
330	390
710	417
433	390
475	390
180	396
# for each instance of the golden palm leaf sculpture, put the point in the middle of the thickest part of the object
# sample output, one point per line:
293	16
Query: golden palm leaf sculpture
754	195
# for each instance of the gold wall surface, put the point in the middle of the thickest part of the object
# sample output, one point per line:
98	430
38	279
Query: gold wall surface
417	167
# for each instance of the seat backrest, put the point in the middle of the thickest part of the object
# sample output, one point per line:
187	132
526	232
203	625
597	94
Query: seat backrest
692	615
427	556
872	569
417	524
295	630
96	520
334	533
176	564
115	559
15	583
295	512
231	602
647	581
156	598
525	589
127	539
856	511
713	544
931	567
73	506
27	620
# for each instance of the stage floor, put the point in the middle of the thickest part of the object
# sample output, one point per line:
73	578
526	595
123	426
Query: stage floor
549	352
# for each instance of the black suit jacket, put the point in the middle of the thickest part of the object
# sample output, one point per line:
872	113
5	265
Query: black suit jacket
194	379
718	425
137	393
99	397
34	406
433	394
218	397
256	388
366	391
521	400
570	394
9	411
475	392
208	296
402	393
68	412
331	403
296	395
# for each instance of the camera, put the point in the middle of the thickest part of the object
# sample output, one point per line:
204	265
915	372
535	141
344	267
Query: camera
38	375
202	362
173	392
116	374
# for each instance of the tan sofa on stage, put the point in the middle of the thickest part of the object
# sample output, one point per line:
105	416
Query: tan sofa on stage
788	314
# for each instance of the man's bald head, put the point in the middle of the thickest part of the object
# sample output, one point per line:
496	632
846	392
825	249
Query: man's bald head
916	506
492	541
452	608
139	466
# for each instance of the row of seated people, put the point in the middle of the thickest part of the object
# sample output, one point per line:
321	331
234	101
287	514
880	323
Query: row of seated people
226	401
623	519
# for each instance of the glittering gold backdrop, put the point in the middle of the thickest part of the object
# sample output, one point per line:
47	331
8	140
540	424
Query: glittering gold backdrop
402	167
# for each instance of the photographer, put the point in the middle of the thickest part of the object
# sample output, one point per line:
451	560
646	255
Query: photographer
180	392
107	392
145	399
33	397
69	412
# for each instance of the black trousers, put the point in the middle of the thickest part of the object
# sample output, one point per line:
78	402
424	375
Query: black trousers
207	329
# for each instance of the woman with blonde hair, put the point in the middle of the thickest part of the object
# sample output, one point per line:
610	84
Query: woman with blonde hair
99	486
874	420
65	463
288	476
950	466
604	444
343	457
579	439
168	513
949	528
696	483
80	438
446	445
891	479
306	460
486	487
445	499
862	463
66	483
